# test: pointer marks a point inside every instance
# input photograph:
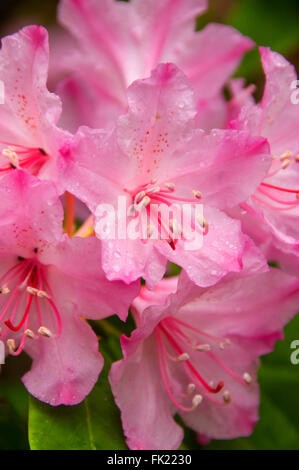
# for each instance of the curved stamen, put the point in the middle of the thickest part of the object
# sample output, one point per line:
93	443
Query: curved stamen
279	188
13	295
220	341
148	193
8	322
190	365
280	201
23	339
170	328
227	369
42	280
20	156
164	378
31	281
271	206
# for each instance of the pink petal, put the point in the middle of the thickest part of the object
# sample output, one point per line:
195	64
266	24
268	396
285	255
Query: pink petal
236	165
276	117
24	68
25	223
100	29
76	278
230	309
161	26
30	111
144	404
94	169
128	260
210	56
80	92
220	253
212	113
160	118
65	369
237	305
280	116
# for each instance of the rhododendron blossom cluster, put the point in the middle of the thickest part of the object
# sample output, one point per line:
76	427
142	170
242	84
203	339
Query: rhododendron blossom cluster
134	119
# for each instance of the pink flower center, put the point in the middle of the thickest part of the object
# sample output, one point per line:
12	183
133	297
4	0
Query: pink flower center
25	158
278	197
149	196
178	342
27	289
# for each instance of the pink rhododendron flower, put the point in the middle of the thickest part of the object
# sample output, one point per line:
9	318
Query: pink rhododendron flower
273	211
47	282
114	53
194	353
29	138
156	154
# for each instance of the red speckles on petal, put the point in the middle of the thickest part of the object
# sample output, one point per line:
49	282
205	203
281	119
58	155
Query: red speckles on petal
147	148
25	110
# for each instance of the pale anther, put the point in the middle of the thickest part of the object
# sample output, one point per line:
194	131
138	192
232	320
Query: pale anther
196	401
247	377
203	347
4	290
226	397
284	155
197	194
11	344
191	388
183	357
170	186
38	292
45	332
29	334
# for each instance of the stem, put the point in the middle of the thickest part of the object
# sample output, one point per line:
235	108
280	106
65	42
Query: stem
70	213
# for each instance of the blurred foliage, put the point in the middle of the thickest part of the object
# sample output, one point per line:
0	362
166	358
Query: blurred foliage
92	425
96	422
13	404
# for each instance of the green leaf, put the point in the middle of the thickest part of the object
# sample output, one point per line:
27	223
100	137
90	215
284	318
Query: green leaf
92	425
13	416
276	27
13	404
